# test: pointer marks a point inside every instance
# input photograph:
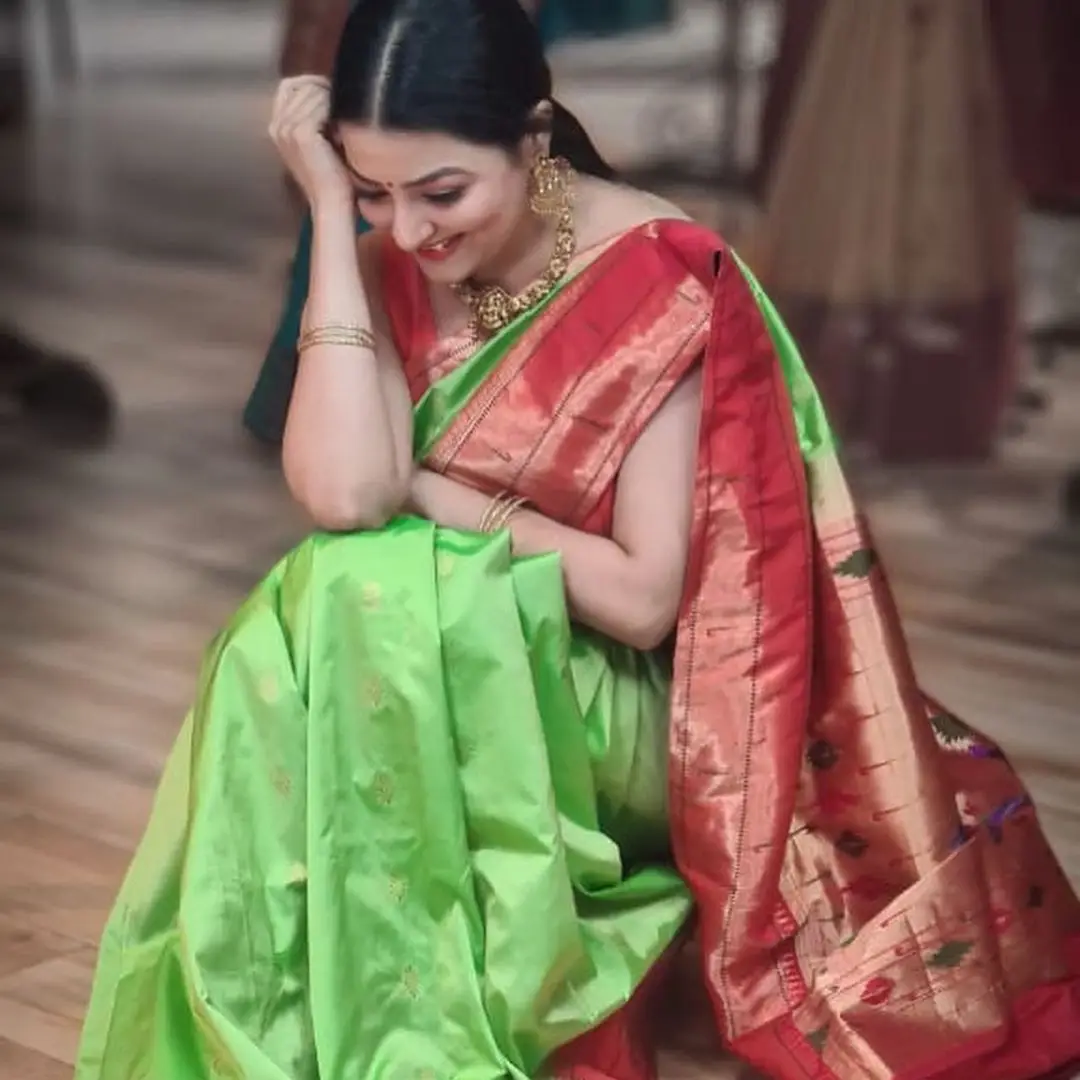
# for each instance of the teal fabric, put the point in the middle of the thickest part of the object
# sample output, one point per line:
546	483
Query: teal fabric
561	19
268	403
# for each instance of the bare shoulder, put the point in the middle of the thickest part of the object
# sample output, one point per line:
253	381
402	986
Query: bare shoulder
607	209
651	206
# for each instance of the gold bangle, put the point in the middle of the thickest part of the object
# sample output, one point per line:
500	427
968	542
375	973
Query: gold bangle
500	511
509	512
483	525
357	337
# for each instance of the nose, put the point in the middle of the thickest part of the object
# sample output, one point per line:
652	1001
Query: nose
410	230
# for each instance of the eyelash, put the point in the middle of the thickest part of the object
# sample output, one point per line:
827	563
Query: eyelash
441	198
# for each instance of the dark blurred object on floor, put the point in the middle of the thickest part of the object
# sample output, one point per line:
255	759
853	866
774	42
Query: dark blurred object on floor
889	229
1071	497
44	394
57	397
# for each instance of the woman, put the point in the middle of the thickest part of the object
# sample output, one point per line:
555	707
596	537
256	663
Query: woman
595	643
311	35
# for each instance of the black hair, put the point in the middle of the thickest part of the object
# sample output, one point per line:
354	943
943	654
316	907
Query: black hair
473	69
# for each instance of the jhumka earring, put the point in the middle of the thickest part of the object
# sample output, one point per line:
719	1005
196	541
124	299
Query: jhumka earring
551	186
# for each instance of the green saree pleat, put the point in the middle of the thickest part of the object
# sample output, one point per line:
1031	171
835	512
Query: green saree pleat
414	826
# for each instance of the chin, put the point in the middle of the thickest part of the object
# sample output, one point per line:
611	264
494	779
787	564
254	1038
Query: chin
452	271
445	273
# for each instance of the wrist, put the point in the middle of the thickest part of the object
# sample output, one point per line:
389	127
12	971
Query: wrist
419	488
412	502
333	209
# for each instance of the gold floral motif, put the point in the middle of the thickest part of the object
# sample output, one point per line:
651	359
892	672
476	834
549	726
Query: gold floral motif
373	692
221	1067
269	689
383	788
466	749
398	888
282	782
444	565
370	596
297	874
410	982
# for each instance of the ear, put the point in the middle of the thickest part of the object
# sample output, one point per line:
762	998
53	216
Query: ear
538	139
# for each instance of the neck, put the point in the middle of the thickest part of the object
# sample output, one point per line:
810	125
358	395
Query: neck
523	259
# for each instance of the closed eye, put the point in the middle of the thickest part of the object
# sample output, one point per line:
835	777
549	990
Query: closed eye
444	198
370	196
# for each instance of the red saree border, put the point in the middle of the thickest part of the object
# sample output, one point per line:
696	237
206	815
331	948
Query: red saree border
751	558
766	651
1038	1018
556	418
614	347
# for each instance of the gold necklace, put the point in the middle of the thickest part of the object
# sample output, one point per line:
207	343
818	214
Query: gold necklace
491	306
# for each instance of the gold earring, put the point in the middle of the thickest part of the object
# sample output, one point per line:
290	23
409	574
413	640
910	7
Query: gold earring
551	182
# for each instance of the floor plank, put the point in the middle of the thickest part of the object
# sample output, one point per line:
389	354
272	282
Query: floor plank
17	1062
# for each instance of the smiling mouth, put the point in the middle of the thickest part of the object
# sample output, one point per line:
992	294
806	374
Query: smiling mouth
441	250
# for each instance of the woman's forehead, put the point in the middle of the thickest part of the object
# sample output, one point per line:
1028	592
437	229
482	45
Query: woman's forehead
403	158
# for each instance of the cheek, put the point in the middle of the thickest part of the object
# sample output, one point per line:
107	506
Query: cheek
490	211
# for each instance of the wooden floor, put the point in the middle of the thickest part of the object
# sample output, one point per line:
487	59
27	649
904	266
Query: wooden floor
163	266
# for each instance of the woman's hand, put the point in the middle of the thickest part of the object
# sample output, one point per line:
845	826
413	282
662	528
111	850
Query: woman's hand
301	109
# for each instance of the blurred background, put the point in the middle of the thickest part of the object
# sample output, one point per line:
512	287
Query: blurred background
902	175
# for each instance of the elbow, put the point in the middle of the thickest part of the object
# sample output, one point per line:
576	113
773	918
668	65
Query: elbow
362	507
644	607
646	638
653	603
345	519
650	625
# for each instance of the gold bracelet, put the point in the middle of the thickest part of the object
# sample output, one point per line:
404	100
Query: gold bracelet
500	511
357	337
509	512
489	511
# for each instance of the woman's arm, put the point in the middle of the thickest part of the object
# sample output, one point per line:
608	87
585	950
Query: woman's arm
630	586
347	446
347	451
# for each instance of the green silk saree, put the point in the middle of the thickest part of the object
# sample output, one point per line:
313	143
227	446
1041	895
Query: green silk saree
415	824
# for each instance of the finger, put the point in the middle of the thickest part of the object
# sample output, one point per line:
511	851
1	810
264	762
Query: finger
303	125
294	94
304	108
293	91
302	81
292	127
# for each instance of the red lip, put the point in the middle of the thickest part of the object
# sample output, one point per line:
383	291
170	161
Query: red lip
431	254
